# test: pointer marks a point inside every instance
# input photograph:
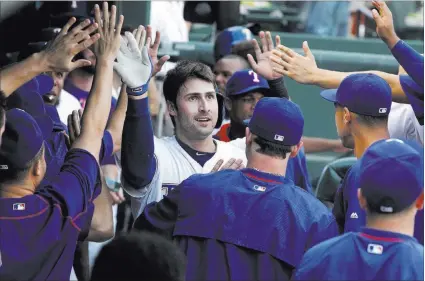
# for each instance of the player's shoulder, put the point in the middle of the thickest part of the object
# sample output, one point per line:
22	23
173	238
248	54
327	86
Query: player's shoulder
333	246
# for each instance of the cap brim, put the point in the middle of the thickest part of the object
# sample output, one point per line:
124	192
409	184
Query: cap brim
251	89
45	84
329	95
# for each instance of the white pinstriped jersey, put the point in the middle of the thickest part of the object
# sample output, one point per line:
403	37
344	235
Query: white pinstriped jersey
174	165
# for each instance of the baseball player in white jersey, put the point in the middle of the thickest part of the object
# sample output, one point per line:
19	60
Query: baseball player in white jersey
152	166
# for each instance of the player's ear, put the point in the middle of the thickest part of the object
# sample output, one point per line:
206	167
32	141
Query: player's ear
347	116
228	103
248	136
420	202
362	200
295	149
172	110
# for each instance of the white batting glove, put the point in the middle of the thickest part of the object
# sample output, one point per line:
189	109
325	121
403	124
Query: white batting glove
133	65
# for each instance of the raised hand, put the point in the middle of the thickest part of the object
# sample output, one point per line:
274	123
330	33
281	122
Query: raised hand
106	48
384	23
74	126
134	65
289	63
59	53
153	51
140	36
264	66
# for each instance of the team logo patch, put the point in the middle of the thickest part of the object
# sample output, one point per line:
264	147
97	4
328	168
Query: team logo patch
19	206
167	187
375	249
259	188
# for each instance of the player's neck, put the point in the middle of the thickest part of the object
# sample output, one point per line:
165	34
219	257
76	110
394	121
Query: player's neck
394	223
236	130
267	164
81	79
16	190
206	145
366	137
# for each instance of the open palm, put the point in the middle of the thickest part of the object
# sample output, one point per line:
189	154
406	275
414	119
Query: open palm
264	65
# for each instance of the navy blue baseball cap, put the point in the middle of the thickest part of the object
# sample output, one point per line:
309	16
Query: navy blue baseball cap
230	37
32	103
21	141
391	175
245	81
278	120
41	84
362	93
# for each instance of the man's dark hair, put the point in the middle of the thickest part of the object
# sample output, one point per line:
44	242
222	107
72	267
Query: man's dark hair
140	256
184	71
16	175
271	149
369	121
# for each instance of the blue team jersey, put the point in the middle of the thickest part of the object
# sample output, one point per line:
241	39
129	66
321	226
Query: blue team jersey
351	217
368	255
39	232
240	225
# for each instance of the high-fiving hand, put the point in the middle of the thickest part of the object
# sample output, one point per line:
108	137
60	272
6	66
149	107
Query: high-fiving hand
264	66
60	52
289	63
133	64
384	23
106	48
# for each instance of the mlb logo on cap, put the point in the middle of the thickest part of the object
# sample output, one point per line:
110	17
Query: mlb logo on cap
19	206
259	188
375	249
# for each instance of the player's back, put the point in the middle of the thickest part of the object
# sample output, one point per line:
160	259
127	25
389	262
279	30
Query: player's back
247	225
373	255
37	241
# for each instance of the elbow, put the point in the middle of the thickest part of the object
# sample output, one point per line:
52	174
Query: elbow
140	176
101	233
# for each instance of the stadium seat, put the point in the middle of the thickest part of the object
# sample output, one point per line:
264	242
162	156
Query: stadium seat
331	177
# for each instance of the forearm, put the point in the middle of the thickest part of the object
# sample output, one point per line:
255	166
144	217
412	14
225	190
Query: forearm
312	145
14	76
329	79
97	109
116	123
102	224
278	88
137	153
410	60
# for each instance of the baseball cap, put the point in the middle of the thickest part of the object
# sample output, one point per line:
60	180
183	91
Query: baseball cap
277	120
32	103
41	84
391	175
228	38
244	81
362	93
22	139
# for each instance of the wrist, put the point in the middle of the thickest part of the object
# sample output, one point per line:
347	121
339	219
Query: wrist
392	41
315	76
40	63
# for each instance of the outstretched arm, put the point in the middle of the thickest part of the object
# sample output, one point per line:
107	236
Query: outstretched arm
56	57
407	57
304	70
